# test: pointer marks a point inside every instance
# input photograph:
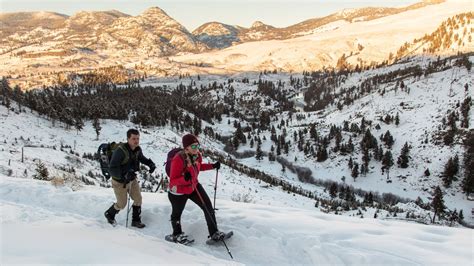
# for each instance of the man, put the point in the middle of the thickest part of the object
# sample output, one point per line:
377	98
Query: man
124	163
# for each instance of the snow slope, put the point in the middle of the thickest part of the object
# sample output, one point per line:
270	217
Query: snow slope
428	101
55	225
378	37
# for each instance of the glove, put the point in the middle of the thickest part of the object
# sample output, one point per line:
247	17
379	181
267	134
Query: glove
152	168
216	165
130	176
187	176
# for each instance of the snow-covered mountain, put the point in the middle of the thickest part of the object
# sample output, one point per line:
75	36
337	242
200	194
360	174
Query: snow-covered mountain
360	42
23	22
217	35
262	32
143	43
153	32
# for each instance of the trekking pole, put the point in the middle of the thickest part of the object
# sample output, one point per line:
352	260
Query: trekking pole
128	209
159	185
215	189
213	221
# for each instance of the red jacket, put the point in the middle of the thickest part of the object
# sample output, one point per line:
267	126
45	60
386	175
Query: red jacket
177	182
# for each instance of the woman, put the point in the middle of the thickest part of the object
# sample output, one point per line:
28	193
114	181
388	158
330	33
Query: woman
184	185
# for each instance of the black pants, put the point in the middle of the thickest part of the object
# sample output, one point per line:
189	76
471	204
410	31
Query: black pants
178	202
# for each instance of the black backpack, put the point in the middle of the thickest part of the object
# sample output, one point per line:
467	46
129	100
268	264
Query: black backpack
104	153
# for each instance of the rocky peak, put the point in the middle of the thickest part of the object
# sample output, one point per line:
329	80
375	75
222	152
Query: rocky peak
258	24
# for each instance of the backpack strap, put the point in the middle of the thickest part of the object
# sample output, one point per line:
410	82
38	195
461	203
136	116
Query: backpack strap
125	153
183	157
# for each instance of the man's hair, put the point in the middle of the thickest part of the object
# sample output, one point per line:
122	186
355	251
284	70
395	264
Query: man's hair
132	131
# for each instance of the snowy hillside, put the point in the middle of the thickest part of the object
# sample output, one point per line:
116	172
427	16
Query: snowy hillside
76	233
266	219
364	41
422	104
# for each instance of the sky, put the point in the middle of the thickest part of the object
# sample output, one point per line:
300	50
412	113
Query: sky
192	14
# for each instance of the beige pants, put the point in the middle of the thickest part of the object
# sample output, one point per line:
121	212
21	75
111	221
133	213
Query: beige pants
121	193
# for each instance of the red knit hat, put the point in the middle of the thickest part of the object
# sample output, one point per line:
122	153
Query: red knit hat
189	139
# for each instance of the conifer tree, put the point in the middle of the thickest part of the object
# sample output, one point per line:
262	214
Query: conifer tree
350	164
451	168
97	127
387	162
468	180
333	190
437	203
388	139
355	171
403	159
259	153
41	171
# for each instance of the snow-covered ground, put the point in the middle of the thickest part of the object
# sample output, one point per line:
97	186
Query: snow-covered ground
42	223
426	100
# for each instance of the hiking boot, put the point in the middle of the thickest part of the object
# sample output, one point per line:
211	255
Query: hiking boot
136	220
138	224
110	215
218	236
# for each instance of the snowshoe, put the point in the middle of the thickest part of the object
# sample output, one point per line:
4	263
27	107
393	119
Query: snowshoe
180	239
218	237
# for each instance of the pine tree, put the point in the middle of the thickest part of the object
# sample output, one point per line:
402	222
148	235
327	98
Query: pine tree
333	190
468	180
365	161
97	127
350	145
259	153
235	142
363	169
453	217
387	162
79	124
197	126
271	155
355	171
451	168
322	154
403	159
388	139
378	153
41	171
397	120
437	203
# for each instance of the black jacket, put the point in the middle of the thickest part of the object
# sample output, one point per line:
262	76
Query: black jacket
135	157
